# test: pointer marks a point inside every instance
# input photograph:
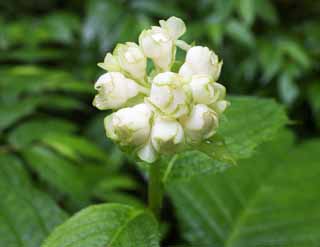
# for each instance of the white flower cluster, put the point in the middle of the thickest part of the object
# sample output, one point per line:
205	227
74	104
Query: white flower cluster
162	112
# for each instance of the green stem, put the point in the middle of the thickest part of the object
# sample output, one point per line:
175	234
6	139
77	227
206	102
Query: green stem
155	189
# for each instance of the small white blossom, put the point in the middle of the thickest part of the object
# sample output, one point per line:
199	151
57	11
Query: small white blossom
174	26
127	58
129	126
168	95
167	135
114	91
201	123
201	61
158	43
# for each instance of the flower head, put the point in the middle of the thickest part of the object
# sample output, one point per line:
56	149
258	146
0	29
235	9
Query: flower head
163	112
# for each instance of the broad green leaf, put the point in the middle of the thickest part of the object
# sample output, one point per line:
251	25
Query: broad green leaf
21	80
10	114
27	215
34	130
107	225
247	123
270	199
60	173
74	146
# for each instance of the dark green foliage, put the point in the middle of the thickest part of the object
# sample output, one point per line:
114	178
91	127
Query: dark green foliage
269	200
55	159
107	225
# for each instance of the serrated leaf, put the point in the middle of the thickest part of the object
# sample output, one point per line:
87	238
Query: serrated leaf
107	225
26	214
268	200
216	148
247	123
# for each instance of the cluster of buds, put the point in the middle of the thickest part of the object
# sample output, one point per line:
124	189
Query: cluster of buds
163	112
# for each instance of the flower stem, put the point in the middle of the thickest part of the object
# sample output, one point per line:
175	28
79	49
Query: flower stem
155	189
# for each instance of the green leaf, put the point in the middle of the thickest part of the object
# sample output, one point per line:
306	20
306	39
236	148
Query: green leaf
247	11
10	114
223	10
189	164
74	146
101	27
247	123
266	11
26	80
288	89
107	225
297	52
58	172
216	148
34	130
27	215
269	200
240	33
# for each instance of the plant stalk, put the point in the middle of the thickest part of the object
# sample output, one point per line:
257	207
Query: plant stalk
155	189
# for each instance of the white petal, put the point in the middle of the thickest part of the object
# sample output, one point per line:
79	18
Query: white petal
166	135
114	90
201	124
202	89
175	27
147	153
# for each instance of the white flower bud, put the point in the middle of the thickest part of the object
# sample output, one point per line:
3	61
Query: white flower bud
114	91
200	60
147	153
175	27
220	106
127	58
129	126
157	44
200	124
168	96
202	89
167	135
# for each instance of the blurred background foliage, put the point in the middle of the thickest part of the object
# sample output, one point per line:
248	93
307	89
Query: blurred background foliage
48	55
